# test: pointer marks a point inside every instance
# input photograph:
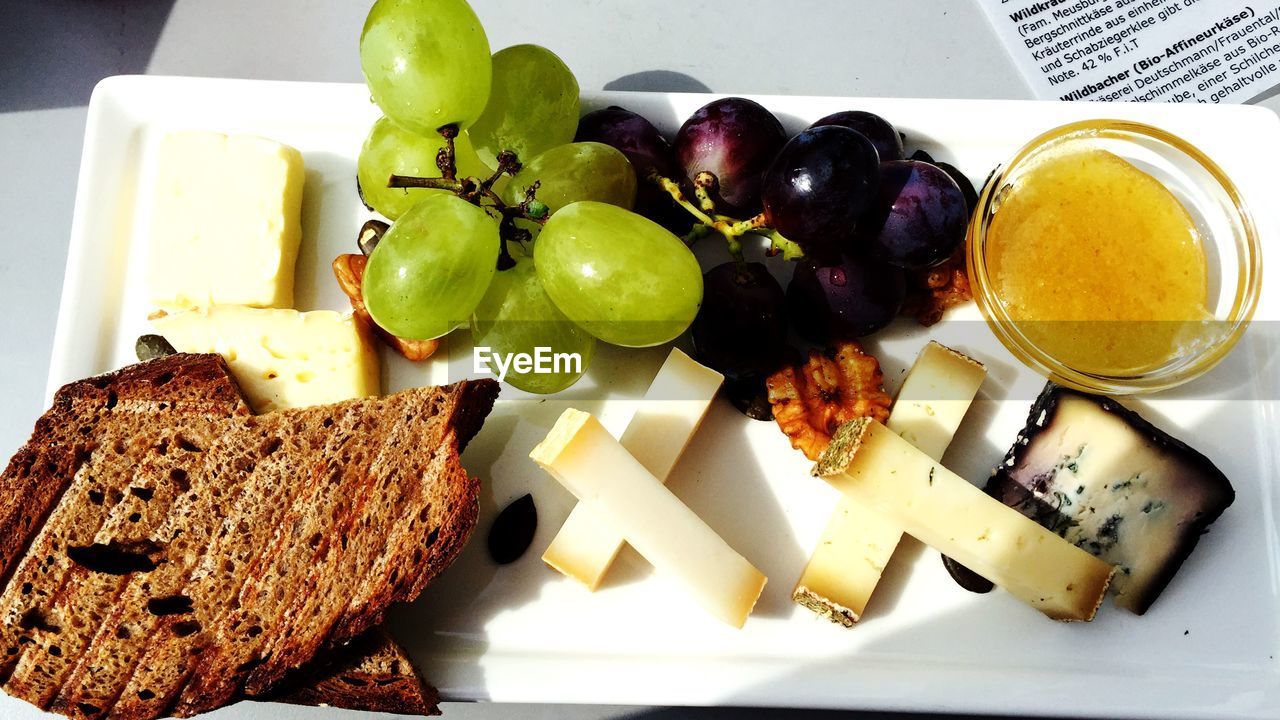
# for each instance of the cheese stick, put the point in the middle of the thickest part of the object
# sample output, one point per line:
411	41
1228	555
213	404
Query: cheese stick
851	556
586	459
664	423
871	464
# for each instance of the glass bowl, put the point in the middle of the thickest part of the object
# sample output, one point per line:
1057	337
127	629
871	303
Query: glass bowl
1230	242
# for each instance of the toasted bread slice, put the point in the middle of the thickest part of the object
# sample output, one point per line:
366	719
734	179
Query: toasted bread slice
183	550
372	674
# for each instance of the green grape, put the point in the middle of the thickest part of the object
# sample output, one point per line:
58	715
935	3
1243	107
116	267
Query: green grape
517	316
426	62
390	149
431	268
532	107
622	277
577	171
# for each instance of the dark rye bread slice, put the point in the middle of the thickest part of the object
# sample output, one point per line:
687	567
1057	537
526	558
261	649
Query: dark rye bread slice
119	410
176	506
372	674
65	437
397	491
82	460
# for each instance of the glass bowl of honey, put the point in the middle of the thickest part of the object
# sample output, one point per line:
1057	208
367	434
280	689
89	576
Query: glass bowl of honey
1114	257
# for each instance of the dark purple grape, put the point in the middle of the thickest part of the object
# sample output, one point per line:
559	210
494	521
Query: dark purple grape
735	139
920	218
962	182
885	137
741	327
820	184
634	136
846	299
649	153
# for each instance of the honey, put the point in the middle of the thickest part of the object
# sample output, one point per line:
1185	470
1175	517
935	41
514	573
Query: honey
1098	264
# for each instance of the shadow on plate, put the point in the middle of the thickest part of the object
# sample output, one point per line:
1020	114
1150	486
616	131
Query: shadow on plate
658	81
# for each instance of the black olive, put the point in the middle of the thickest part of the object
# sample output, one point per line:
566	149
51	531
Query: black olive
151	347
513	530
966	578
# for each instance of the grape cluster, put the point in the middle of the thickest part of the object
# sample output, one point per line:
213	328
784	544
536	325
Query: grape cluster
535	227
840	196
504	222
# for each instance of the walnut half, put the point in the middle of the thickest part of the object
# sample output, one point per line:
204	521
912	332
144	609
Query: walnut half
349	269
931	292
812	400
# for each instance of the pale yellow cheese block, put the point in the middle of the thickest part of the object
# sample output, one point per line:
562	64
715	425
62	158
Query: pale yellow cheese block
226	222
846	566
871	464
581	454
657	435
282	358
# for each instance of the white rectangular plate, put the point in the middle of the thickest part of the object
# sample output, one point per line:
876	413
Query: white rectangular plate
1209	647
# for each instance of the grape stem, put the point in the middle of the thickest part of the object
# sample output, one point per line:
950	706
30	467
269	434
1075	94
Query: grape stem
476	191
730	228
446	158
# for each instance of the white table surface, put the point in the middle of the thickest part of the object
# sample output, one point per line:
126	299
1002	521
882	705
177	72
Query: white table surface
53	51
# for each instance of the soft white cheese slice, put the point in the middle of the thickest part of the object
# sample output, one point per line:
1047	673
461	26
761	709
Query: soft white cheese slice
657	435
581	454
856	545
874	465
282	358
226	224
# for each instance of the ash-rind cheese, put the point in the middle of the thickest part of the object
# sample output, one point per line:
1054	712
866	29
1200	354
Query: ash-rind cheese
1113	484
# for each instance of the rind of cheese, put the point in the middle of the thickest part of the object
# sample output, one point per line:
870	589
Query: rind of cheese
226	222
581	454
666	420
282	358
846	566
871	464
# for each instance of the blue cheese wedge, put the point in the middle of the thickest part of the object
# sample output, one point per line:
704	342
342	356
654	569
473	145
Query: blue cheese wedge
226	222
1108	481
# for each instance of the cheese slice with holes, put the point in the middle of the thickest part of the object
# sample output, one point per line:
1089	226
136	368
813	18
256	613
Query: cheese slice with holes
593	465
226	221
657	435
873	465
846	566
282	358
